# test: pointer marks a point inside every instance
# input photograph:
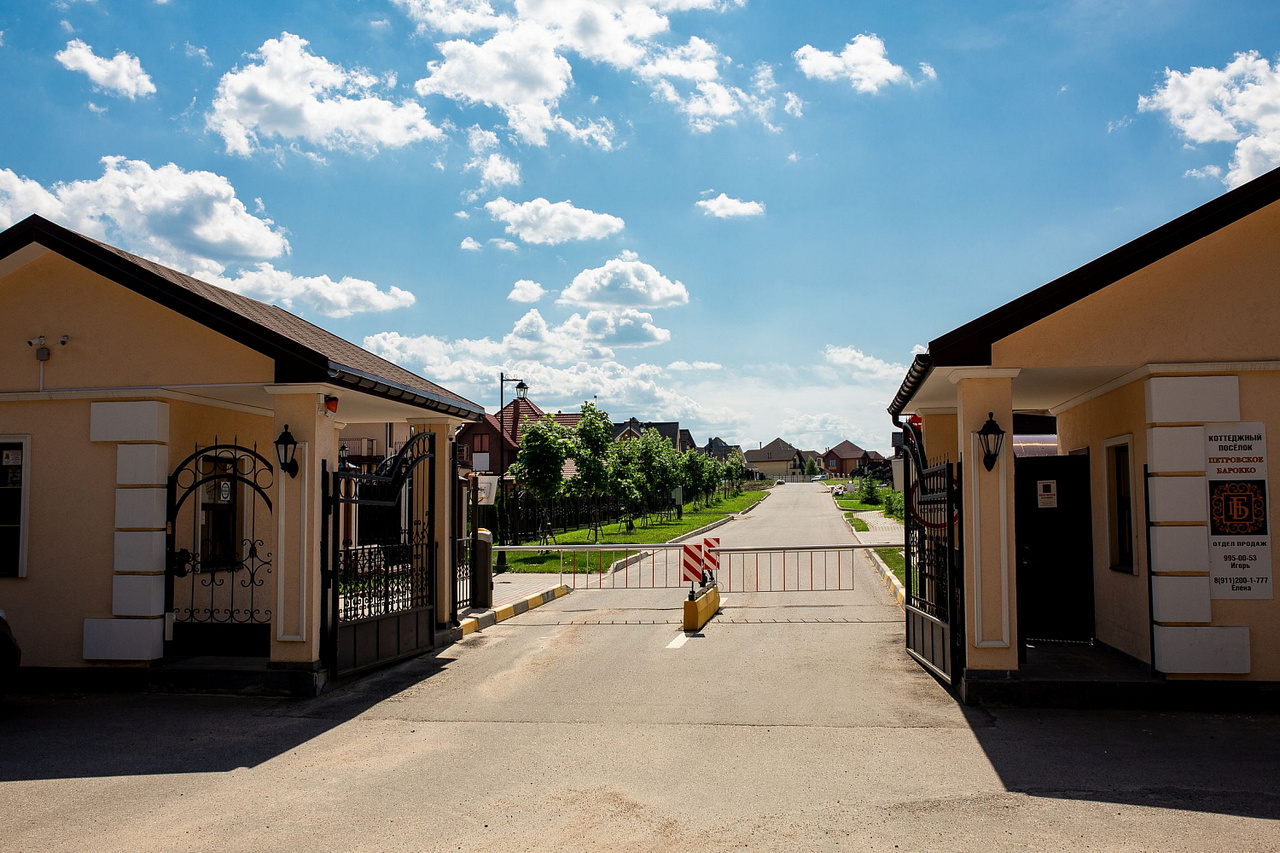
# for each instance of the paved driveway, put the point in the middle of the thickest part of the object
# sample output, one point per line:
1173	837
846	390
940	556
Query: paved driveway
594	723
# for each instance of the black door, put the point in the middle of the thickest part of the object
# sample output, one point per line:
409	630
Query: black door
1054	533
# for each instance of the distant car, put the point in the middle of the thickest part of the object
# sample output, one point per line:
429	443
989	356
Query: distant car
779	482
818	477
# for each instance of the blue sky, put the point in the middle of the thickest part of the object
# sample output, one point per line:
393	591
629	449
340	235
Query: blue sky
741	214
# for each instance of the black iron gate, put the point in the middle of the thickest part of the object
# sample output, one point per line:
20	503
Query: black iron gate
935	562
378	549
217	600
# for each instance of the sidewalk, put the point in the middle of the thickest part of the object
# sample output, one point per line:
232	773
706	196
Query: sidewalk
513	593
882	531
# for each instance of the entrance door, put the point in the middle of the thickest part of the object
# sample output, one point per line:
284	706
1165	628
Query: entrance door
1054	534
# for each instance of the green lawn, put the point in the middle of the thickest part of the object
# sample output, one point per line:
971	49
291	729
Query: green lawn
896	562
858	524
857	505
665	531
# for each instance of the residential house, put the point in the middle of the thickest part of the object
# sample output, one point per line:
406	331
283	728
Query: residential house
170	455
844	460
680	439
720	449
776	459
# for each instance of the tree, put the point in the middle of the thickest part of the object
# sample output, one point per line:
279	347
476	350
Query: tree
590	452
539	467
735	469
626	479
659	470
810	467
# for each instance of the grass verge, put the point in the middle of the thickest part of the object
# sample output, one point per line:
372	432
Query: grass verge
658	531
858	524
897	563
857	505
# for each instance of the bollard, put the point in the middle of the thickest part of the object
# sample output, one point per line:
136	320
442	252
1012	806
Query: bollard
482	565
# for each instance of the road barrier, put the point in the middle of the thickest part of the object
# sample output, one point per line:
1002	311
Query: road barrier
790	568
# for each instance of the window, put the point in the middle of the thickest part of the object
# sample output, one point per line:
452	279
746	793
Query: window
14	490
480	443
1120	505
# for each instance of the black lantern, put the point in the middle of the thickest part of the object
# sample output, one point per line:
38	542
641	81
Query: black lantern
343	453
286	447
522	391
991	437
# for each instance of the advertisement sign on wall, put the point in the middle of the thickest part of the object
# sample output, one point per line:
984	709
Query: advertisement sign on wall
1239	528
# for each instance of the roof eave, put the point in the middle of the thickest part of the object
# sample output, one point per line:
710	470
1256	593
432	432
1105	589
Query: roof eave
921	367
369	383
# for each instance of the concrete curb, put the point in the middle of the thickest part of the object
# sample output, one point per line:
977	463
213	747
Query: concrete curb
492	617
886	574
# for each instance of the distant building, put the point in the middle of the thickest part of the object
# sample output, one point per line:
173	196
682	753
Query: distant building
718	448
776	459
680	439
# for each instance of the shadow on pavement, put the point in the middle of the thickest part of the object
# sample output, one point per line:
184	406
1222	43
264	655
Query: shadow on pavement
65	736
1200	762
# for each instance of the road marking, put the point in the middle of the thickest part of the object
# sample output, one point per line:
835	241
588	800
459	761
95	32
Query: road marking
679	641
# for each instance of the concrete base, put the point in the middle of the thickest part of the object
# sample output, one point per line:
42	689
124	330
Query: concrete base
698	612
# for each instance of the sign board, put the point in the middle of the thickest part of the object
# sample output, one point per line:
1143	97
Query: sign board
1047	494
486	490
691	563
1239	528
12	457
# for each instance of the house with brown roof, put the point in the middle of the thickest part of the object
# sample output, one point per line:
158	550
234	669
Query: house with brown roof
844	459
720	449
172	492
681	439
777	459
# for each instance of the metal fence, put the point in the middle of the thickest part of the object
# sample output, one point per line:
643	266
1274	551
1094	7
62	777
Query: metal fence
810	568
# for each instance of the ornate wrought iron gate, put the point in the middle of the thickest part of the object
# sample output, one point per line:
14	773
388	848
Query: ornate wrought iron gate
217	600
935	562
378	548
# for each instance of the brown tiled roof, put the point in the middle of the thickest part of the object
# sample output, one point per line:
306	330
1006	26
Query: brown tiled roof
775	451
847	450
303	351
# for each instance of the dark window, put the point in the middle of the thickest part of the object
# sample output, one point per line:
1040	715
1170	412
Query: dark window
12	474
1120	507
480	443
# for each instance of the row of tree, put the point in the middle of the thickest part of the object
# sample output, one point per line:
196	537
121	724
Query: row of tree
641	474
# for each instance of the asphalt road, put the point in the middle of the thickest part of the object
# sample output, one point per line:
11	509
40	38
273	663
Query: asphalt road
594	723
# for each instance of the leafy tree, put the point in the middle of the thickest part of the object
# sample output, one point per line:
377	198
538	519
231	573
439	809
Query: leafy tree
659	469
810	467
867	491
590	452
539	466
735	469
626	479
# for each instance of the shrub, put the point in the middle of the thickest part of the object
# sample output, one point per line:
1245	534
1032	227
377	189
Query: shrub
868	493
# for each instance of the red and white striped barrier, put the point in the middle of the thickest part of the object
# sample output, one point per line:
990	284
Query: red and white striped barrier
691	563
710	558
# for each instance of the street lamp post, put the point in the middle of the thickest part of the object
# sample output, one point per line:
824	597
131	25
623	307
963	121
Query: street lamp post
522	393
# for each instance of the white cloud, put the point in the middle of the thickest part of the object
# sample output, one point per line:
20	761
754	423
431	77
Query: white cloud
320	294
624	281
793	157
200	53
517	71
121	75
495	170
1210	171
470	244
694	365
504	245
380	25
94	108
697	59
292	94
1238	103
462	214
525	290
1	38
193	222
723	207
794	106
550	223
860	366
864	62
455	17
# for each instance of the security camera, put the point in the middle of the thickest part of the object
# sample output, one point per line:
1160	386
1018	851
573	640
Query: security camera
63	340
36	342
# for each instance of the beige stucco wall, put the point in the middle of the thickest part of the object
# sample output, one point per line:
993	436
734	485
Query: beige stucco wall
939	430
1121	604
118	338
70	540
1209	302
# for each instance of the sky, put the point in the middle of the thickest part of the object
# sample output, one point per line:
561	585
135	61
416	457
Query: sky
745	215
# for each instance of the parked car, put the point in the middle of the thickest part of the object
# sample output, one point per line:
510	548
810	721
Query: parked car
779	482
818	477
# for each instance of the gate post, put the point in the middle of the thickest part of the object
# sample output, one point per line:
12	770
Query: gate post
435	481
295	664
990	594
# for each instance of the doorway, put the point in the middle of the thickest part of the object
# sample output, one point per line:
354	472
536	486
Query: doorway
1054	539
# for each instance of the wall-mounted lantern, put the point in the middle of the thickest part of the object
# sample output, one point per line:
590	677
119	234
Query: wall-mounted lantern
343	453
286	447
991	437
